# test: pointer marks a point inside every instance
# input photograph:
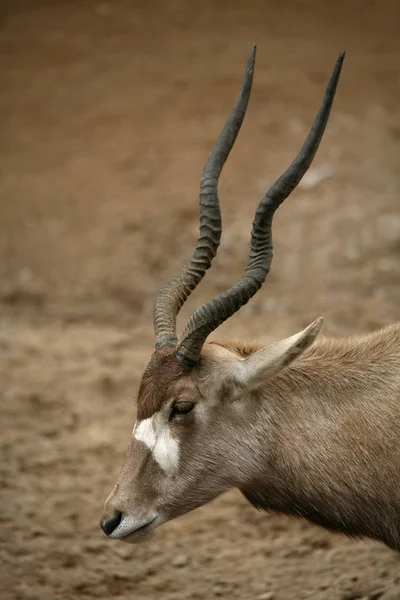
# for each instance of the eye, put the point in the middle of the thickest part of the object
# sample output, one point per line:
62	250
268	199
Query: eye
181	408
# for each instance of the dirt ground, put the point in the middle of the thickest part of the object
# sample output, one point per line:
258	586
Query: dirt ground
108	112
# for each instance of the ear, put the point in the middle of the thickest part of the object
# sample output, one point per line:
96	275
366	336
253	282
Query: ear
263	364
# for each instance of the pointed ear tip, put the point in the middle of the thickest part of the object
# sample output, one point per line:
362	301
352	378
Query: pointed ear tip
317	325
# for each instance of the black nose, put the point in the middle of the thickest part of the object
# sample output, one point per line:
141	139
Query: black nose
108	525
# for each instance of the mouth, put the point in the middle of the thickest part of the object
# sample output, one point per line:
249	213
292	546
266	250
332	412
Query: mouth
141	533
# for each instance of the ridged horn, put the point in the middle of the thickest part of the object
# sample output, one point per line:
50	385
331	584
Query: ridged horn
210	315
172	296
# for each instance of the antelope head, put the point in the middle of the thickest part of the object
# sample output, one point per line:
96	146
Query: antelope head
197	406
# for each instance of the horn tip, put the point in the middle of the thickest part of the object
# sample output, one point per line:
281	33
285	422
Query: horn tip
252	58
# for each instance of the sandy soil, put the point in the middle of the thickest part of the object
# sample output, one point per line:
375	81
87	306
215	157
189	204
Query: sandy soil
108	111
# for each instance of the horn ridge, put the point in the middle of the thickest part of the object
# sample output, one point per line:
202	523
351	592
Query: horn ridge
172	296
213	313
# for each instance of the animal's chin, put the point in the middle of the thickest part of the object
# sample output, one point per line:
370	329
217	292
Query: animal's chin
136	538
140	535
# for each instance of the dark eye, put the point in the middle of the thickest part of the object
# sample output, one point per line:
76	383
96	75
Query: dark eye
181	408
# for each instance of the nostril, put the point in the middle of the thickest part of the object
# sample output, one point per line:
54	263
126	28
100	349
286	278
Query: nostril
109	525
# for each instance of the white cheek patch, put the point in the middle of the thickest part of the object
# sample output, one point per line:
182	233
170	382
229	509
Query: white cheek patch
157	436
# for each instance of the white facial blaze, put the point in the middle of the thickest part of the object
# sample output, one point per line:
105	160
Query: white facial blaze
155	433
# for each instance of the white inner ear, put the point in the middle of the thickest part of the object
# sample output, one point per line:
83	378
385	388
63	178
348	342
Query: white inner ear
267	362
156	434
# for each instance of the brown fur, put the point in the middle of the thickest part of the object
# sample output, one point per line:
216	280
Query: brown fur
238	347
336	433
161	372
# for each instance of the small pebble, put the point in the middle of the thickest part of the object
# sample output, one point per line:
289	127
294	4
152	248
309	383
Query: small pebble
180	561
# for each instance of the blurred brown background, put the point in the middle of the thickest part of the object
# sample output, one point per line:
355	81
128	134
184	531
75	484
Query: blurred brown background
108	112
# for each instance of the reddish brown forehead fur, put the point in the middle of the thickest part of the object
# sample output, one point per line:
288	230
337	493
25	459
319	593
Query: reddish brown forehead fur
162	371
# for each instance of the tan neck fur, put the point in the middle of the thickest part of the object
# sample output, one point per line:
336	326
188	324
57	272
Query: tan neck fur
328	446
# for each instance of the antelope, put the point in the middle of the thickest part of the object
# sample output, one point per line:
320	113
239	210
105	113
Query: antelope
305	427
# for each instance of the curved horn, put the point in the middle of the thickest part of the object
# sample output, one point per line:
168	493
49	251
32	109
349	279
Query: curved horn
209	316
172	296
